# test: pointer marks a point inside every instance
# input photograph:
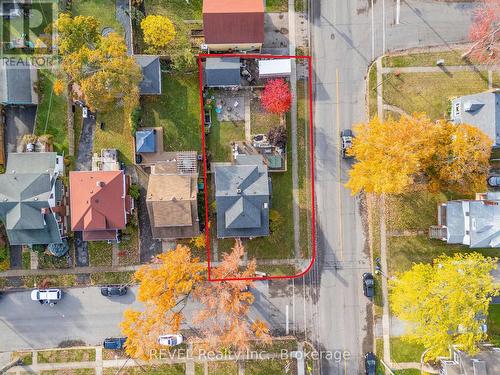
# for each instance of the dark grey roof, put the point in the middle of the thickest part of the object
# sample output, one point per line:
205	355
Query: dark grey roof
223	71
242	198
25	190
16	85
481	110
151	72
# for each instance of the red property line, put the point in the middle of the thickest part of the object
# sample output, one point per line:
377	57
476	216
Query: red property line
311	151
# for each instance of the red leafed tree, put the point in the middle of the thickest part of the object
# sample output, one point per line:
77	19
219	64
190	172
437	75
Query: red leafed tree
276	97
225	306
485	33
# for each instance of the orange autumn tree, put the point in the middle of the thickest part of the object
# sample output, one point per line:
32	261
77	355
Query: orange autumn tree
164	288
393	156
484	33
224	315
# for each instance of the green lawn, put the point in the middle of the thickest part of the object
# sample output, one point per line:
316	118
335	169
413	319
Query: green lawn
372	91
51	112
410	371
4	257
269	367
276	5
103	11
261	121
451	58
26	260
414	210
404	351
175	8
220	137
66	355
177	110
494	324
100	253
116	134
129	246
222	368
430	92
112	278
404	251
77	371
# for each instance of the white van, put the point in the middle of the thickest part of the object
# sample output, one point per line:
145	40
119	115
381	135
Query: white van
46	296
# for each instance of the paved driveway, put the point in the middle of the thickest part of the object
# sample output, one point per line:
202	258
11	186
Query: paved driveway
20	121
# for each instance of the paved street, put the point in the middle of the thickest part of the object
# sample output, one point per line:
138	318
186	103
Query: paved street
347	36
84	315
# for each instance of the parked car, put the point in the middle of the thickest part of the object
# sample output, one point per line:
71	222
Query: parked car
346	138
370	364
46	296
368	285
494	181
170	340
114	343
113	290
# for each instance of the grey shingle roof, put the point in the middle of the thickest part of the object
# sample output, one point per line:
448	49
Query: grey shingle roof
242	198
151	72
474	222
25	190
16	85
481	110
223	71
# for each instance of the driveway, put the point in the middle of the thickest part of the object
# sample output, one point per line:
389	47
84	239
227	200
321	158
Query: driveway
86	144
20	120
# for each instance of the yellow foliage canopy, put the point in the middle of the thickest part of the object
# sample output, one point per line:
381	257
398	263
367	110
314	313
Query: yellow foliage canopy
393	155
158	30
445	303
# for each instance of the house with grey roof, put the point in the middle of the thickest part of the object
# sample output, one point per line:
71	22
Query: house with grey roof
475	223
17	85
242	195
222	72
486	362
481	110
151	74
33	198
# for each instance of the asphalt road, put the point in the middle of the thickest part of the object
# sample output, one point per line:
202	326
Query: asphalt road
347	36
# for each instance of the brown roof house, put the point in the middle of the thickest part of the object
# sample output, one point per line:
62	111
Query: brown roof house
171	198
233	25
99	203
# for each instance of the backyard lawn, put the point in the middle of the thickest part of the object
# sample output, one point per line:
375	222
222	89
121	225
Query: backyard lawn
261	120
102	11
177	110
277	6
220	137
430	92
51	112
175	8
115	134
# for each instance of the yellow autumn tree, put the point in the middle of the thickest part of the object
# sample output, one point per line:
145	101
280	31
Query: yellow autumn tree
158	30
107	75
393	155
164	288
445	303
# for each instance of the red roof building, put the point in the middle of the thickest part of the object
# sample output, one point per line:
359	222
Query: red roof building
236	25
99	203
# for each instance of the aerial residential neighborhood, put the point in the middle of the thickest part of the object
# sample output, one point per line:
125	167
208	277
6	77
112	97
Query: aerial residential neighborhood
223	187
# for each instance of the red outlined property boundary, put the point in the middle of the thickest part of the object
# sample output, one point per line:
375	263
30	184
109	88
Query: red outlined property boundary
311	157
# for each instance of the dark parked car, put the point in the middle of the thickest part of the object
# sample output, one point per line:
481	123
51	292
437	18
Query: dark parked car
113	290
494	181
368	285
346	138
370	363
115	343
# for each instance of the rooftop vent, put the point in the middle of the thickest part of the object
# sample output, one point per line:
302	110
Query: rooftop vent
238	191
